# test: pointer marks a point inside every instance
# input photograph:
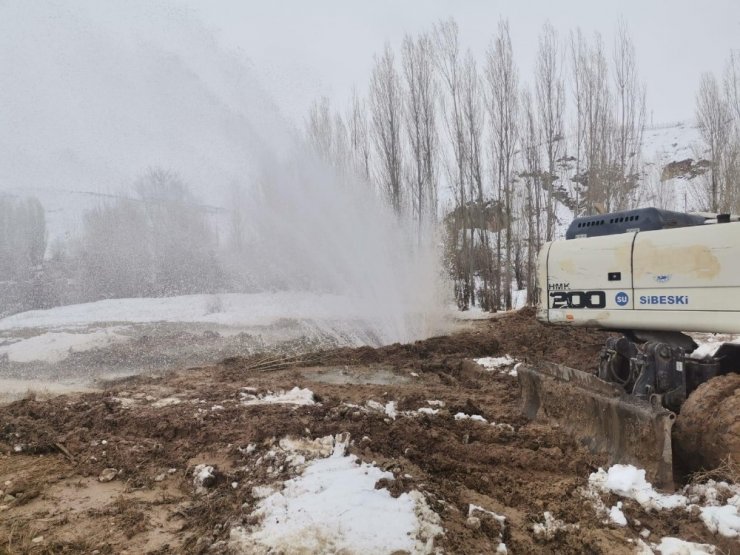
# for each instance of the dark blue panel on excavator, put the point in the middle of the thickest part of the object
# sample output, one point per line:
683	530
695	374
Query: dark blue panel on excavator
641	219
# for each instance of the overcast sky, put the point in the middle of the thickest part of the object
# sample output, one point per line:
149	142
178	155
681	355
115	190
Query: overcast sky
303	49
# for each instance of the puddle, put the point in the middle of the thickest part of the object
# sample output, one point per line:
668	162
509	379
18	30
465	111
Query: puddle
363	375
14	389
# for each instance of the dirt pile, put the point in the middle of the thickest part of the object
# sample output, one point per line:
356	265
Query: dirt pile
127	470
709	424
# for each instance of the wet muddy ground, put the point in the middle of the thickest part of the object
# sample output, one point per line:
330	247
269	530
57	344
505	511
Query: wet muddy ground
112	471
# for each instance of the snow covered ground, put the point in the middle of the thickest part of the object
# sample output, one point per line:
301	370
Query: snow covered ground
54	347
77	344
237	310
58	332
333	506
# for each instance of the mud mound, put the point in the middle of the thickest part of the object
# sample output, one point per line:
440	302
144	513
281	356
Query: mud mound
708	429
523	337
517	334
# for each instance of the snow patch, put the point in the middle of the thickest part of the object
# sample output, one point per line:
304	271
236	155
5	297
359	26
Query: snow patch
494	363
475	417
203	477
166	402
295	396
724	520
617	516
53	347
628	481
333	506
502	364
675	546
319	447
501	549
551	526
389	409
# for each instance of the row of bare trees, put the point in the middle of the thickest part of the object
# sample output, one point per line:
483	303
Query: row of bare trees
155	239
718	119
439	130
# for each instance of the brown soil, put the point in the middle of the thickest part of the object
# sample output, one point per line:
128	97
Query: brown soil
709	424
153	431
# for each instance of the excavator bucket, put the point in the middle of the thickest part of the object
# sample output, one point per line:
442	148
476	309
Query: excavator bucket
602	417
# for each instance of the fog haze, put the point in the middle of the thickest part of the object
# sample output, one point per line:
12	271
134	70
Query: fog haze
307	49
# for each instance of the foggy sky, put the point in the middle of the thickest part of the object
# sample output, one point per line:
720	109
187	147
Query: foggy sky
94	92
323	47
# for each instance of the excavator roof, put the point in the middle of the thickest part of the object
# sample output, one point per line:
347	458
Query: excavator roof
640	219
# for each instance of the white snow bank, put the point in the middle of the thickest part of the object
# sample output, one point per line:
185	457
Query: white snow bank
333	507
295	396
628	481
54	347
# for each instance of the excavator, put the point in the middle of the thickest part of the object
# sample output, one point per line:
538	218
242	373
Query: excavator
655	397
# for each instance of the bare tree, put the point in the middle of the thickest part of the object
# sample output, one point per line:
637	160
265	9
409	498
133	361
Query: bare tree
328	135
732	159
551	106
449	66
358	137
319	129
714	121
473	123
533	177
578	56
594	171
630	118
503	106
420	111
386	105
341	154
